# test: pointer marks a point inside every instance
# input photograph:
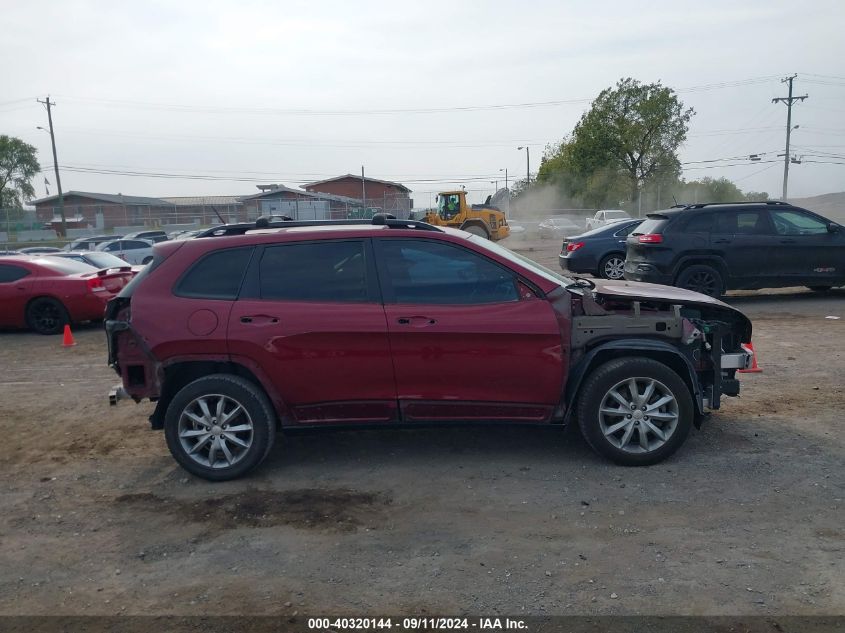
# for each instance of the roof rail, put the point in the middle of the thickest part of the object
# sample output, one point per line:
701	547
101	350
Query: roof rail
380	219
701	205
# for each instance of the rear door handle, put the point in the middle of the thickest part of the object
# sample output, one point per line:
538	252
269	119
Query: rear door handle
416	321
722	241
787	241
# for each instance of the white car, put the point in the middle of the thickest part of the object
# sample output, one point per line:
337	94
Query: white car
605	217
132	251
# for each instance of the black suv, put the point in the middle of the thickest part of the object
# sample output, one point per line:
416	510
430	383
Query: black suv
712	248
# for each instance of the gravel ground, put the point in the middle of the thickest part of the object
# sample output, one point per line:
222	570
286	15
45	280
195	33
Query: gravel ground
746	519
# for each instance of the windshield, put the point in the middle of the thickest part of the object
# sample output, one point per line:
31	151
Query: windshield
522	260
616	214
448	205
64	265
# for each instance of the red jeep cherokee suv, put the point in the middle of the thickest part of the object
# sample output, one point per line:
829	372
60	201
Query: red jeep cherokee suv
244	330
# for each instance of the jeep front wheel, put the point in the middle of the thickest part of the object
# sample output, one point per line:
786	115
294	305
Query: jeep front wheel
635	411
219	427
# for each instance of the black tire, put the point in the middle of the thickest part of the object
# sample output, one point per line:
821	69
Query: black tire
146	260
594	425
258	413
701	278
820	288
46	315
610	265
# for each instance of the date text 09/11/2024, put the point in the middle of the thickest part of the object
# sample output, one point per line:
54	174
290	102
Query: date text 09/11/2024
417	623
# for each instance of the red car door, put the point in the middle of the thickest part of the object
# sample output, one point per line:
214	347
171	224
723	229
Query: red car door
466	343
16	288
310	316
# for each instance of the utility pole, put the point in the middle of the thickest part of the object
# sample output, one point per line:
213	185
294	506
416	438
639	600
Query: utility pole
527	166
47	103
508	209
788	101
363	189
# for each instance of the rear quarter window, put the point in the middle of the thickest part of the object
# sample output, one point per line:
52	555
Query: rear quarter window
700	223
9	273
218	275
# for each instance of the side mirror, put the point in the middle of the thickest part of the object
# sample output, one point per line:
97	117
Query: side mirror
833	227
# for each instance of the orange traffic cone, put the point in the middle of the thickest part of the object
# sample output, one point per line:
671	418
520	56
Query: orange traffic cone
754	369
67	339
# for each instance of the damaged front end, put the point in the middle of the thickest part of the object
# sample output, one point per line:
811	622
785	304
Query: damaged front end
698	336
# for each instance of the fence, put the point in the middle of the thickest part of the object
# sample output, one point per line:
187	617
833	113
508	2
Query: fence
108	216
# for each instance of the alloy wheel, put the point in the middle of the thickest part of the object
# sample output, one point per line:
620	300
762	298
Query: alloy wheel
702	281
46	316
638	415
215	431
614	268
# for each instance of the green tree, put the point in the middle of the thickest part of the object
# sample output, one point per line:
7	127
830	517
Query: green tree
628	138
713	190
18	166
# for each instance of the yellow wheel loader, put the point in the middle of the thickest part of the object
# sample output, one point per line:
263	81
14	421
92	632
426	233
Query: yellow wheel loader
479	219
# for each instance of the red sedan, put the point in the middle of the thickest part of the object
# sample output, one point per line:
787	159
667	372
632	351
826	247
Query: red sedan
45	293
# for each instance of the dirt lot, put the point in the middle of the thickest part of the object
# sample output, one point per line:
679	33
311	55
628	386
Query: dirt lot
745	519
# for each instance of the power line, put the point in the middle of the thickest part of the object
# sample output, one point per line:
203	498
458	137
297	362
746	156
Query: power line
192	108
774	164
239	178
824	76
758	162
302	142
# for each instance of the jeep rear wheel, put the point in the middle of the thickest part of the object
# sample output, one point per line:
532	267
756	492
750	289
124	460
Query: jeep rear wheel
635	411
701	278
220	427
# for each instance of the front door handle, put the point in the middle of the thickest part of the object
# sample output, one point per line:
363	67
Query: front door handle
787	241
722	241
259	319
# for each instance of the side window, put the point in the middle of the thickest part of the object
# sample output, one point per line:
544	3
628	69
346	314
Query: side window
114	246
797	223
625	231
421	271
318	271
215	276
9	273
752	222
701	223
131	245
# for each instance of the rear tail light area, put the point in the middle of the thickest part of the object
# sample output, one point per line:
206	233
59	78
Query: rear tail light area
650	238
95	284
573	246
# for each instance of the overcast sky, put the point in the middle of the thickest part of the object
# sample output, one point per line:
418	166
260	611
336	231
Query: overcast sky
296	91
